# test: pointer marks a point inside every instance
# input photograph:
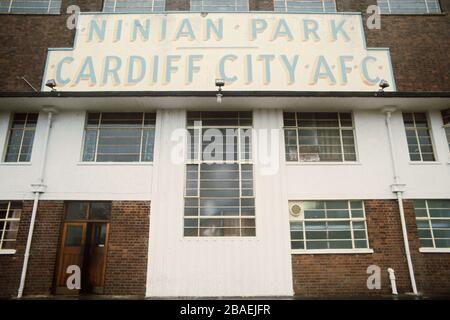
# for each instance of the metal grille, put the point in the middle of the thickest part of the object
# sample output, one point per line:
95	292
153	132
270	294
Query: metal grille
30	6
305	5
409	6
134	6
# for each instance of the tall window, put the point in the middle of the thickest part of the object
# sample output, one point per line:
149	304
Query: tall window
433	223
21	137
219	5
219	194
10	212
30	6
446	119
119	137
134	6
319	137
409	6
305	5
419	136
318	225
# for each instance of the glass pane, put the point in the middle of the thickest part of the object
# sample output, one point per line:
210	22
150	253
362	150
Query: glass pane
76	210
100	211
74	236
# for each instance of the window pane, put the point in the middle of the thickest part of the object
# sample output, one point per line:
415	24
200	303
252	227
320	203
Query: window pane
433	222
220	194
219	5
119	137
21	137
134	6
100	211
30	6
418	137
409	6
76	210
305	6
74	236
328	225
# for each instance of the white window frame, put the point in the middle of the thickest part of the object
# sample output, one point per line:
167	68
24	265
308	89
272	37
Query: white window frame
430	133
3	231
8	136
429	220
98	128
389	5
11	8
152	7
334	251
286	6
340	128
199	161
214	3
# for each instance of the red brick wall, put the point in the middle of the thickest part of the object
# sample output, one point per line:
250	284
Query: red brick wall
419	44
43	252
126	268
127	253
345	274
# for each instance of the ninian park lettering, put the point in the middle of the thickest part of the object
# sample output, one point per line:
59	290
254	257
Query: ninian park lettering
161	68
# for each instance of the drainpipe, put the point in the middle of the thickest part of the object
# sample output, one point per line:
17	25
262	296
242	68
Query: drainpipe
37	188
398	189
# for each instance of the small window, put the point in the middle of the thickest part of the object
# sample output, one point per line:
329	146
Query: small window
88	211
409	6
134	6
219	195
119	137
433	223
325	225
21	137
305	5
319	137
418	135
30	6
446	119
219	5
10	212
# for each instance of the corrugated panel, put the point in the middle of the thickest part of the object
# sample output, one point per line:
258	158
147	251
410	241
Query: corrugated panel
178	266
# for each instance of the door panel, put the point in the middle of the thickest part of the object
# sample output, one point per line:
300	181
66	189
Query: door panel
71	253
95	268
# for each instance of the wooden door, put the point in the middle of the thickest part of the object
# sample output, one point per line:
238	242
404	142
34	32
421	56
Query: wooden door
71	253
96	257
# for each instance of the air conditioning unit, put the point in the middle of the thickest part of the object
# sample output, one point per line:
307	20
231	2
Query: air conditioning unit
296	210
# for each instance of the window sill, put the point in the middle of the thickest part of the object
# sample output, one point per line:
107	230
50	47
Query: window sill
415	14
426	163
434	250
115	164
292	163
15	163
332	251
7	251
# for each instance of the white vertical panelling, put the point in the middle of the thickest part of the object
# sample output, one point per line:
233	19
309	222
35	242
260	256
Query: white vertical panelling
258	266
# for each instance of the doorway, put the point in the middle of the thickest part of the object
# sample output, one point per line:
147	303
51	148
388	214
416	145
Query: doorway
84	244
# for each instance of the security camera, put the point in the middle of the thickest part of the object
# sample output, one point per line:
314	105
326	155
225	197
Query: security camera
51	84
220	83
383	84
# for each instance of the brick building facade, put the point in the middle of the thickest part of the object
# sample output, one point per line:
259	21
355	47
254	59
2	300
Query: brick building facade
146	252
